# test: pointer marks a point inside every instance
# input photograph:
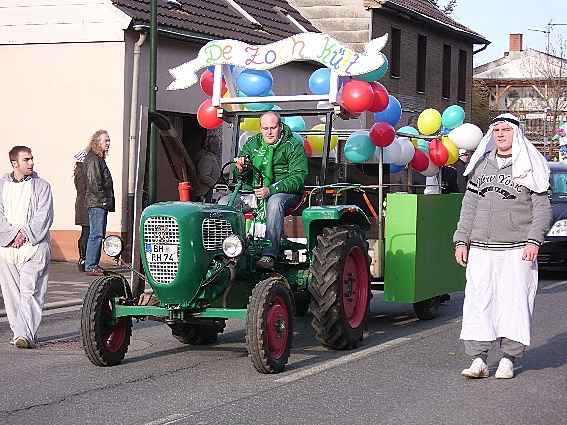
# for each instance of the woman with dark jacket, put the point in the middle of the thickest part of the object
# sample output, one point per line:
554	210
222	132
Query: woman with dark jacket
81	213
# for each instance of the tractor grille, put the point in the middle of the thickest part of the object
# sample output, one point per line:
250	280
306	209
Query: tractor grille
215	231
162	231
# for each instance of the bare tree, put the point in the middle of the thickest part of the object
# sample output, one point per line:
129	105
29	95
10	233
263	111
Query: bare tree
448	8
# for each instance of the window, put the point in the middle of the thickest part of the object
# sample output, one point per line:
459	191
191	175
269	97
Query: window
395	52
446	84
462	89
421	63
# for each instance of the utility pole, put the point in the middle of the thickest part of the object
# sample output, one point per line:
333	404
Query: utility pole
152	151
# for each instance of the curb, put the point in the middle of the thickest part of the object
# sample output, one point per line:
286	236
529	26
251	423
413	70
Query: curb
55	304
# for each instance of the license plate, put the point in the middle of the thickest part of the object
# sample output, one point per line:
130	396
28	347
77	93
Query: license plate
159	253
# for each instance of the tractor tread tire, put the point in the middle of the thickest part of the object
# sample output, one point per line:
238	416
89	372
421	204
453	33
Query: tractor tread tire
328	322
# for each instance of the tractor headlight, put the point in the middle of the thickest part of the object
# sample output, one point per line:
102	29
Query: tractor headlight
232	246
559	228
112	246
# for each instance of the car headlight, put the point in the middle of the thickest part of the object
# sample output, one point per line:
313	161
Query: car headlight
232	246
112	246
559	228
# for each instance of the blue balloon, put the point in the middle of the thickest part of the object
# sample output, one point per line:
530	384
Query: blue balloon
258	106
359	148
295	123
391	114
407	129
254	82
394	168
376	74
453	116
319	81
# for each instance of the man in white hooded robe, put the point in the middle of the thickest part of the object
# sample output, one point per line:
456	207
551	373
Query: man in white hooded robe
26	214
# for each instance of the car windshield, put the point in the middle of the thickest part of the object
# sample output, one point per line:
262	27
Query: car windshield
558	182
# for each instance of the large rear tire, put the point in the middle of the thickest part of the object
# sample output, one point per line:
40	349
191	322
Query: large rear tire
340	288
197	334
104	340
269	325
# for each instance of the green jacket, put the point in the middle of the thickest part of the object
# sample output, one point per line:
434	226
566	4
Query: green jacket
289	162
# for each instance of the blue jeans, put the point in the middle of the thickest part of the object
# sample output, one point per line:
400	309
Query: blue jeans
278	203
97	223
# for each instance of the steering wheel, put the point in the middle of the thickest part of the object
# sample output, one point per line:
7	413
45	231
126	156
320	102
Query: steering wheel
247	170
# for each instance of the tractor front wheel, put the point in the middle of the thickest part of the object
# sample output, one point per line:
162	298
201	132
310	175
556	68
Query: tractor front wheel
105	340
269	325
340	288
197	334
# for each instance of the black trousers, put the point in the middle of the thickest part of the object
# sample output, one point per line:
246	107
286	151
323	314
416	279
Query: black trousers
82	242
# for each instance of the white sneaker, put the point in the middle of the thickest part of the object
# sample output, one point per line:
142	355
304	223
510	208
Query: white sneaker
478	369
505	369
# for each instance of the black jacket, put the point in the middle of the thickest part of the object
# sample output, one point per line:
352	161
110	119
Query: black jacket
100	192
81	214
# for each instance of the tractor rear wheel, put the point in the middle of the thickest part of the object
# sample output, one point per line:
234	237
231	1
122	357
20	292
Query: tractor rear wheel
105	340
197	334
340	288
269	325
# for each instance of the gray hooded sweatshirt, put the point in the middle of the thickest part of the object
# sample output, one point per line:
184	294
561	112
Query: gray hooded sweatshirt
498	213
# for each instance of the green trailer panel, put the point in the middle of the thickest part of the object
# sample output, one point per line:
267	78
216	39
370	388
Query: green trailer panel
419	260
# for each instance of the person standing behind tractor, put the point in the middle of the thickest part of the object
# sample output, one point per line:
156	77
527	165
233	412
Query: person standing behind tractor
99	198
26	214
505	215
81	213
282	161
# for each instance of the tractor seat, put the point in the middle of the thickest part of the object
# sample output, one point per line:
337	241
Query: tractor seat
295	207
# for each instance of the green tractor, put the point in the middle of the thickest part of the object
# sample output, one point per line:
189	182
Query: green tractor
200	261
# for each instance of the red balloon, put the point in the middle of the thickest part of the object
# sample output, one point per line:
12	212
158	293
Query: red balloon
438	153
206	83
308	149
382	134
420	161
207	115
380	97
356	96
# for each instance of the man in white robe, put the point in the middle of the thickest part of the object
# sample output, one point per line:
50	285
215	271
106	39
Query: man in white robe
26	214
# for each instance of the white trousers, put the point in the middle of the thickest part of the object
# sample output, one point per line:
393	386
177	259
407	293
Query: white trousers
23	289
499	296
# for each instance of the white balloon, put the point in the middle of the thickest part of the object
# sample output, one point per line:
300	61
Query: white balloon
431	170
466	136
392	153
407	150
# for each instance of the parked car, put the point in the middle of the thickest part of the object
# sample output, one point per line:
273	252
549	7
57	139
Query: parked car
553	252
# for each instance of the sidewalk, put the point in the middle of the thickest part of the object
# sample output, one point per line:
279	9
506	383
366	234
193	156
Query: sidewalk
67	286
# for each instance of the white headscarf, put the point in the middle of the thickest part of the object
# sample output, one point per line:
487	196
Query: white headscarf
529	167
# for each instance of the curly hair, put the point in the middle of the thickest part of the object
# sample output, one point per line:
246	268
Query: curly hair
94	143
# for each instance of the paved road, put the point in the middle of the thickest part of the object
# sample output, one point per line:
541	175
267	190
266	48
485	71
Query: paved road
407	372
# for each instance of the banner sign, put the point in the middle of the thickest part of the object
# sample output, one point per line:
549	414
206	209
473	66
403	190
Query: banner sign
307	46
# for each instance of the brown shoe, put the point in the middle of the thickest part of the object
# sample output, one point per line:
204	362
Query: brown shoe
97	271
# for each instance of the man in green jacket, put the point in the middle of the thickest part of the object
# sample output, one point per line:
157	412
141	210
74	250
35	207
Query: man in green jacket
282	161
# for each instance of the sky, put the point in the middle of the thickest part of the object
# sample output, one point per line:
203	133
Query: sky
496	19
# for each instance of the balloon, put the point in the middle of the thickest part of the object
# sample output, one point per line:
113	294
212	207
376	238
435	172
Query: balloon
407	151
431	170
466	136
438	153
376	74
452	150
429	121
307	148
206	82
207	115
244	136
391	114
396	168
380	98
359	147
319	81
258	106
316	141
392	153
420	161
255	82
382	134
453	116
295	123
407	130
250	124
356	96
276	108
422	144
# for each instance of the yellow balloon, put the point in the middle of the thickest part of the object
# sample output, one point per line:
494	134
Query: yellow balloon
452	149
429	121
316	142
250	124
